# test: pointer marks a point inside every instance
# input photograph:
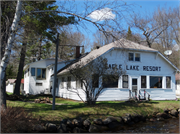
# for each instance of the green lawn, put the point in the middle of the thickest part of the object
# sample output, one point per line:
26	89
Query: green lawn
73	109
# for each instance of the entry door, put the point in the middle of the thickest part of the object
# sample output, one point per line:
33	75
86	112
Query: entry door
134	86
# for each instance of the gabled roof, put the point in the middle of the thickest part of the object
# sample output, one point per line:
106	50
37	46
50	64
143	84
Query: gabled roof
27	65
120	44
14	80
11	80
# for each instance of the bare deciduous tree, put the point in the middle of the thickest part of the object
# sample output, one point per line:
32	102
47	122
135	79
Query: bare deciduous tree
109	18
93	76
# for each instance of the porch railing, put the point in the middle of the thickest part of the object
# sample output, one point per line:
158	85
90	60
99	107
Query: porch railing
145	92
130	94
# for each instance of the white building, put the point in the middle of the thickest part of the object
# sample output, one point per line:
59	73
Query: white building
178	85
146	69
37	76
10	85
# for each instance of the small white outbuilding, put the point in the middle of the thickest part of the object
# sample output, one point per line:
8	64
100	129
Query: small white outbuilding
10	85
37	76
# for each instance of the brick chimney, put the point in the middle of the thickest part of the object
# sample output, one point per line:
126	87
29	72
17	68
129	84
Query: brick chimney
77	51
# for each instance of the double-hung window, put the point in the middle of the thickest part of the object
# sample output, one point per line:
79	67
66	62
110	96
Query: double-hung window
125	81
62	82
168	82
131	56
143	81
69	82
95	80
79	84
110	81
41	73
134	57
32	71
155	82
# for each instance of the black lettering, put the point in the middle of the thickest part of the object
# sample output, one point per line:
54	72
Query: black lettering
130	67
144	68
156	68
147	68
127	67
159	68
134	67
137	68
110	66
150	68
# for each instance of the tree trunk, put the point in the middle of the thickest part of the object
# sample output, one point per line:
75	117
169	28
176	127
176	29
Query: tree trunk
40	48
7	53
3	94
20	69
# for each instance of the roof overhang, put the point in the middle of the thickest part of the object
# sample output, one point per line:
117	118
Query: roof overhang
26	67
177	69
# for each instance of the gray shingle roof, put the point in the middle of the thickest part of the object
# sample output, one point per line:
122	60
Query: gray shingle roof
120	44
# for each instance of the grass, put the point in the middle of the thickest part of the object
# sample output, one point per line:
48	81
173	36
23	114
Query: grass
74	109
9	93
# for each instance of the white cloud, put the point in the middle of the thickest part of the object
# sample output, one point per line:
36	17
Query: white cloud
103	14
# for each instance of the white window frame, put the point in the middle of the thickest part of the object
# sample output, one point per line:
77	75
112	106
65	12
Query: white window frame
156	76
41	74
122	82
170	82
134	53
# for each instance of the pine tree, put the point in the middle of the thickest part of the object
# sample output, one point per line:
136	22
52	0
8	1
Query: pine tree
129	34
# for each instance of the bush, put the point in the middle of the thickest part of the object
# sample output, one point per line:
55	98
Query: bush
16	120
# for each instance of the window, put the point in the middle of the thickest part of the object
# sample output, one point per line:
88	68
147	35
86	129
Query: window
79	84
134	57
41	73
69	82
131	57
143	81
38	84
110	81
155	82
95	80
125	81
137	57
62	82
32	71
168	82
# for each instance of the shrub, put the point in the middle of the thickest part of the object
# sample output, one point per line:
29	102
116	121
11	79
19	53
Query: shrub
16	120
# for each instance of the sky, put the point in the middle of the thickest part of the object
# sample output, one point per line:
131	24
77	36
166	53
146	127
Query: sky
139	6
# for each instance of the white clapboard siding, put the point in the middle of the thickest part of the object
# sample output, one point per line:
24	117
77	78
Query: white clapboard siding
161	94
114	94
64	93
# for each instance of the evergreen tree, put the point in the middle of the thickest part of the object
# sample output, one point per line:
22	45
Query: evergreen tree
129	34
43	25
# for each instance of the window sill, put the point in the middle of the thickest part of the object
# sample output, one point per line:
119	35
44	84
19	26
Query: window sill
135	61
40	79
